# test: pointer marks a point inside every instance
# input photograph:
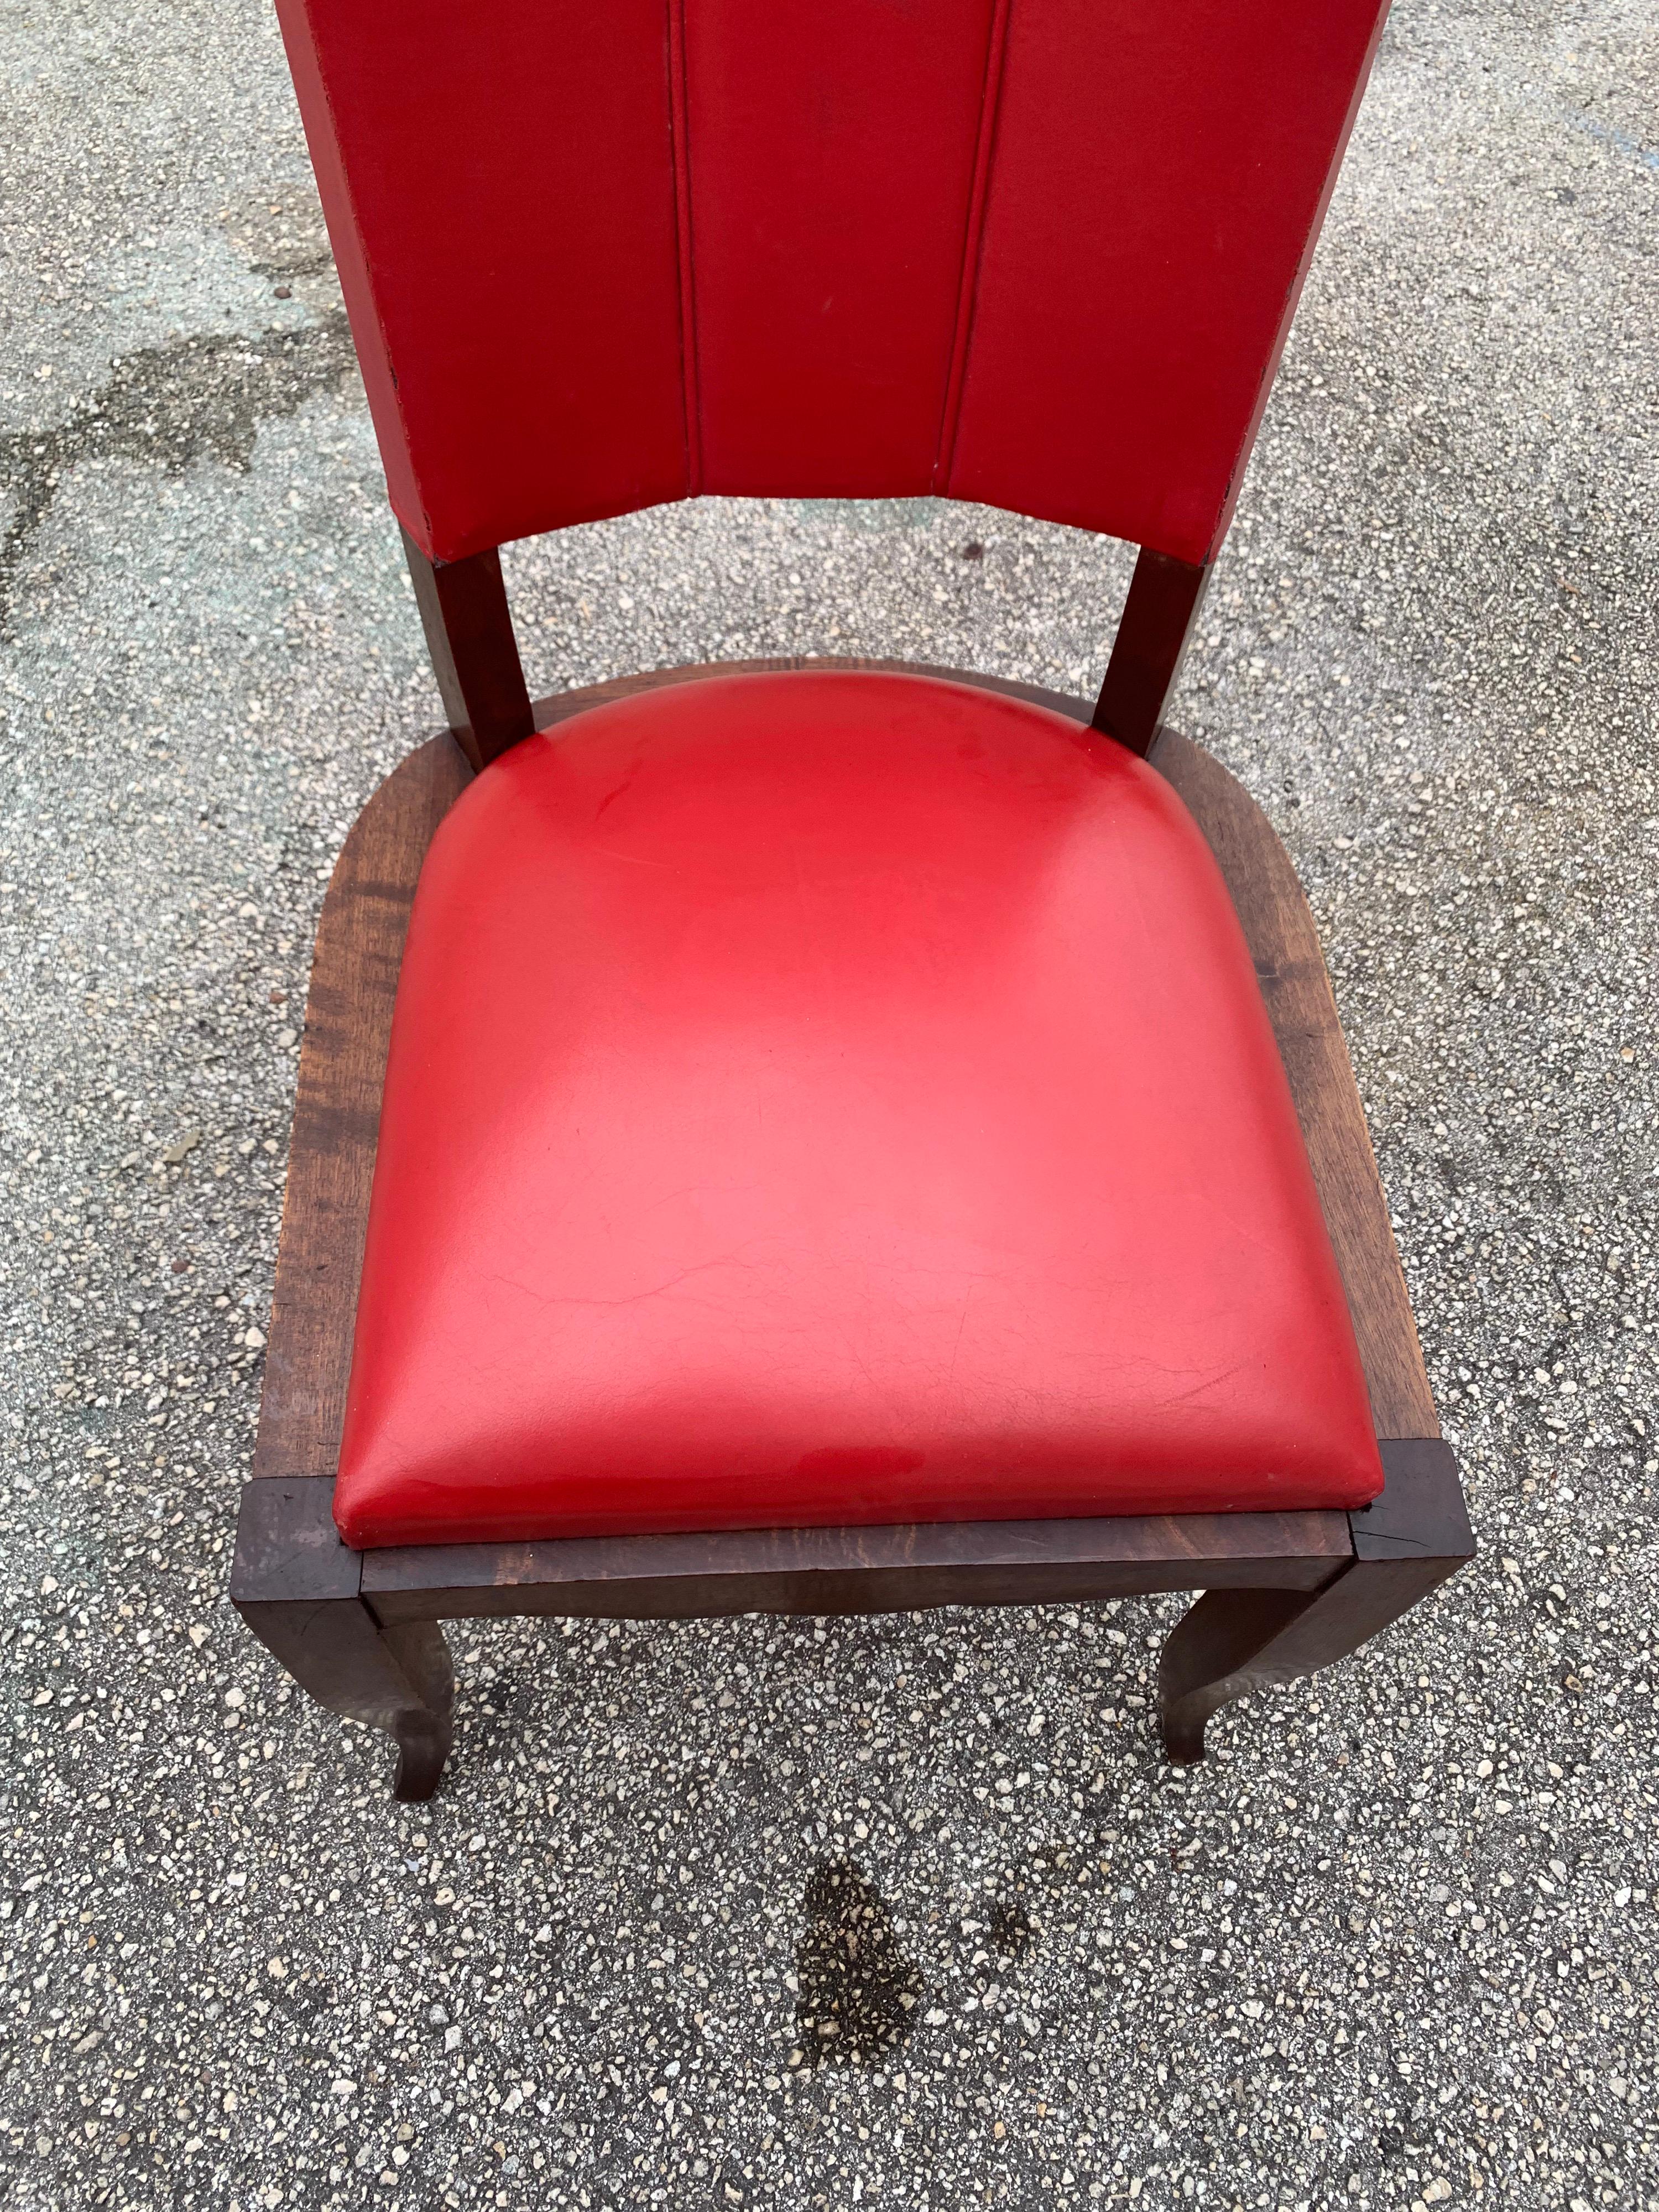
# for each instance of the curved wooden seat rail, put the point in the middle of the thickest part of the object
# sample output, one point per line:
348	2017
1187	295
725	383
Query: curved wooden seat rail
1288	1592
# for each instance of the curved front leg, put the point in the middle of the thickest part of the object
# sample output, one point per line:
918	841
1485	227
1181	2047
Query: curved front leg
1406	1543
1230	1643
396	1679
424	1731
298	1588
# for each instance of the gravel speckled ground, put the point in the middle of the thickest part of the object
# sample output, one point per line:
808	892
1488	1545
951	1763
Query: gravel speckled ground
1397	1945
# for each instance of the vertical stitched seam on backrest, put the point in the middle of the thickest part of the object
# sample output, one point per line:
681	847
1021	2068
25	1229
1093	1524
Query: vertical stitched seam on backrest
973	237
679	107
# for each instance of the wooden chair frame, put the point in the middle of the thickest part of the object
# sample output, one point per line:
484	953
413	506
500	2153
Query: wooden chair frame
1284	1593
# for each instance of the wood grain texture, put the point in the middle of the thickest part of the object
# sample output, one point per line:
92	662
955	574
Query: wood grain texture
353	982
857	1571
1291	968
337	1112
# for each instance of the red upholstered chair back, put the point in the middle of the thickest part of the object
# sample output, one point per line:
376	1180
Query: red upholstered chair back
1043	253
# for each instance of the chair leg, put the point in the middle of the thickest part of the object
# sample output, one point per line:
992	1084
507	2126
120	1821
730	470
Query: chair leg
397	1679
425	1733
1234	1641
297	1587
1222	1649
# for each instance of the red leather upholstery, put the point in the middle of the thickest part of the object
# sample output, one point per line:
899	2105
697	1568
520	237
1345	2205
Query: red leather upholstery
1161	174
1037	253
835	1098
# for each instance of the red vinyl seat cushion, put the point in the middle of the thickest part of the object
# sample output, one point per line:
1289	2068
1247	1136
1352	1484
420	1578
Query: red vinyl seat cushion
828	1098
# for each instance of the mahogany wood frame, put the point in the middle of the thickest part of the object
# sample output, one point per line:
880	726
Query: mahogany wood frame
475	655
1153	633
1284	1593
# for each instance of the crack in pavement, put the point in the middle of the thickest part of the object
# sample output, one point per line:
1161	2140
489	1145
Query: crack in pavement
197	397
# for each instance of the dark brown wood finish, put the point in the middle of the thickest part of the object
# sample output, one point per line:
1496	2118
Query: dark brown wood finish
336	1111
873	1570
1290	966
1158	618
1286	1592
475	654
1232	1642
296	1586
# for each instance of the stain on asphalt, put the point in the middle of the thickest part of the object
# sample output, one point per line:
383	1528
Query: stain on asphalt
858	1989
201	398
1010	1930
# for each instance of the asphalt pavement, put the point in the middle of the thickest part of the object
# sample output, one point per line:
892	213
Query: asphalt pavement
1395	1944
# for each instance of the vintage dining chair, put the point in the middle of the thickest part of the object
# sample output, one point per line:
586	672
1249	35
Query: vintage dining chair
830	1136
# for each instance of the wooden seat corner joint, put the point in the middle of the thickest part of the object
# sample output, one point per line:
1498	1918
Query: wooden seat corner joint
1284	1593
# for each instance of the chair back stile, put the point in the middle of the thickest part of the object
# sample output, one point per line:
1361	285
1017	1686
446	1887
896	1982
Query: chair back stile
1041	254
